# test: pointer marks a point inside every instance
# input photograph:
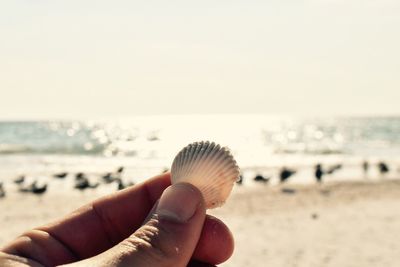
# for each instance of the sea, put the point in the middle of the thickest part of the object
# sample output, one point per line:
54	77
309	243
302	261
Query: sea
146	145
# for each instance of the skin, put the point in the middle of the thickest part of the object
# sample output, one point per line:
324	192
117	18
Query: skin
122	229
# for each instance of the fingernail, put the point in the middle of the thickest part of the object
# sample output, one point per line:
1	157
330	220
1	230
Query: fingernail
178	202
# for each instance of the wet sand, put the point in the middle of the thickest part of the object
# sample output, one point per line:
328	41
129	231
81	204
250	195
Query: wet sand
338	224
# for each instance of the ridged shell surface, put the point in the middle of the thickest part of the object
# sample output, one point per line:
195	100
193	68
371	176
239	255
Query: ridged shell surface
209	167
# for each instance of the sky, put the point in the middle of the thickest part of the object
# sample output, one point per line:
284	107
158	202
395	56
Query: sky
93	59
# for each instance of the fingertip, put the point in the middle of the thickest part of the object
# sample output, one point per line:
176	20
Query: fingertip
216	243
170	203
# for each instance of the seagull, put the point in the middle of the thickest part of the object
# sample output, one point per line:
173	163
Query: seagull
79	175
20	179
83	183
121	184
334	168
120	169
240	180
60	175
383	168
285	174
2	191
38	190
262	179
110	177
318	173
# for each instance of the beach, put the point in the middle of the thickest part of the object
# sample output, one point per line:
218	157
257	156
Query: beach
339	224
354	223
295	102
351	219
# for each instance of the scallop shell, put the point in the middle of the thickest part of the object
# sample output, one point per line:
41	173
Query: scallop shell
209	167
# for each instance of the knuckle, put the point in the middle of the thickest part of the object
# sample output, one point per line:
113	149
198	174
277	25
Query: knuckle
152	242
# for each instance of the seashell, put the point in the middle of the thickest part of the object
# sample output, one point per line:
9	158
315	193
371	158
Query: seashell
209	167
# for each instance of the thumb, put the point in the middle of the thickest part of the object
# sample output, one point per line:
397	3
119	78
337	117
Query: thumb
169	236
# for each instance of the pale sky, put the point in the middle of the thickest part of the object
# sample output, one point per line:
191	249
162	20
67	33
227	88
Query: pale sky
92	59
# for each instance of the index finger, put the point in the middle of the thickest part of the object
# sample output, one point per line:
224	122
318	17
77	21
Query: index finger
103	223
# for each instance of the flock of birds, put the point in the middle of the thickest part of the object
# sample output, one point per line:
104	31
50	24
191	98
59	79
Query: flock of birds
81	182
319	172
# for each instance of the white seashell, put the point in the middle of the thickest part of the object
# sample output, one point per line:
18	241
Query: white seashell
209	167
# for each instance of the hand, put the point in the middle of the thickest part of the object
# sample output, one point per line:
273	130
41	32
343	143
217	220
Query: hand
150	224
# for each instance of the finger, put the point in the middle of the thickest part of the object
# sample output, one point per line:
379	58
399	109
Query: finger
94	227
85	233
113	218
169	238
108	220
216	242
215	245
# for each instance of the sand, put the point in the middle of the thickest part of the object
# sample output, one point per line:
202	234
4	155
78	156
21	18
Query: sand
338	224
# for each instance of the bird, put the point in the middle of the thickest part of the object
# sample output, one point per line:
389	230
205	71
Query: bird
318	173
79	175
240	180
334	168
83	183
383	168
120	169
260	178
34	188
38	190
110	177
60	175
285	174
121	184
19	180
365	167
2	191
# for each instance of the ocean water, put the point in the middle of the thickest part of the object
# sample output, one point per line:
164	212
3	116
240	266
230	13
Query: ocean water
146	145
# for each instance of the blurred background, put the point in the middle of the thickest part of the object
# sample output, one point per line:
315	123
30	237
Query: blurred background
97	96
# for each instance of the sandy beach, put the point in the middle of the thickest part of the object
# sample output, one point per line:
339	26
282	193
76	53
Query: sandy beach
337	224
340	224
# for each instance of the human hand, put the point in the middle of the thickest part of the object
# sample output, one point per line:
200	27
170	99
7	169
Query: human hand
140	226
